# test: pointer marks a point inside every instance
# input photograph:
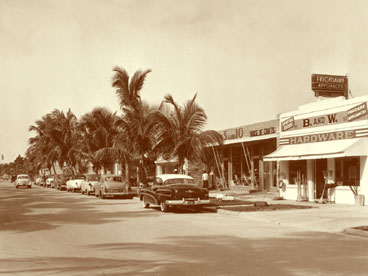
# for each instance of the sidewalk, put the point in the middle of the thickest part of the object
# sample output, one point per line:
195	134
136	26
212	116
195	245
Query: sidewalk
332	218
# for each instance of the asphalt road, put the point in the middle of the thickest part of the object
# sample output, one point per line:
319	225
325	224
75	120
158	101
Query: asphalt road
49	232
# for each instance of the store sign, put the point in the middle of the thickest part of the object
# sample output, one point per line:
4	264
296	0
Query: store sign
359	112
236	135
287	124
263	131
322	137
329	85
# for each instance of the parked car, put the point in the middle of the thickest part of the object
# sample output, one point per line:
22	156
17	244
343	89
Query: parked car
61	180
74	183
49	181
88	185
38	181
174	190
5	176
23	180
113	186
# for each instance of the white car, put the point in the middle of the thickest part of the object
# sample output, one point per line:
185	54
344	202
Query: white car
49	181
74	184
38	181
88	185
23	180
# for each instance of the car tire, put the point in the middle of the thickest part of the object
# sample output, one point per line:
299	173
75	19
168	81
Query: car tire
163	206
145	204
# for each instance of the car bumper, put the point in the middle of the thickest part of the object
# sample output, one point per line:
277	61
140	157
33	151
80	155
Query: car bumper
118	195
188	202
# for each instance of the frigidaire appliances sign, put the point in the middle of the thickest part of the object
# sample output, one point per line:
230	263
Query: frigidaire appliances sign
329	85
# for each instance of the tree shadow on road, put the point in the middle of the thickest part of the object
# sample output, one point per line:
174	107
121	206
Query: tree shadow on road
307	253
39	209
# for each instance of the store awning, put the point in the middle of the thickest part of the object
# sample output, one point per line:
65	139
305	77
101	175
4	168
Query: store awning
320	150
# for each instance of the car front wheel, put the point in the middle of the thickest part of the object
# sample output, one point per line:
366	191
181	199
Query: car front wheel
164	207
145	204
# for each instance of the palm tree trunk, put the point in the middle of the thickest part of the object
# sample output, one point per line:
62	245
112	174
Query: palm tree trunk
181	163
127	174
53	167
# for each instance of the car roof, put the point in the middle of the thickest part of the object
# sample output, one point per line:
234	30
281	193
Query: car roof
22	174
165	177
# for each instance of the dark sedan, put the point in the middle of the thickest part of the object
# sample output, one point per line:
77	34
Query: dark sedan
174	190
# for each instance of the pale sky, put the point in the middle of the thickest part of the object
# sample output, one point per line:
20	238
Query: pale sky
247	60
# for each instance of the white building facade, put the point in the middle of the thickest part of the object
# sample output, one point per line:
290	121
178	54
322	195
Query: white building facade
321	143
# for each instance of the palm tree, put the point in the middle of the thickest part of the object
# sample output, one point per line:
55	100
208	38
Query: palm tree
128	92
62	131
135	113
138	126
55	139
98	131
179	131
41	144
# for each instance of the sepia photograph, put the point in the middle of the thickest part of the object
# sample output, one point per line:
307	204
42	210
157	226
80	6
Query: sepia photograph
188	138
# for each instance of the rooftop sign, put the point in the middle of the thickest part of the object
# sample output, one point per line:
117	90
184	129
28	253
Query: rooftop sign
329	85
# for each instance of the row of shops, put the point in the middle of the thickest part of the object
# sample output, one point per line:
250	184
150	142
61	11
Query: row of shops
317	152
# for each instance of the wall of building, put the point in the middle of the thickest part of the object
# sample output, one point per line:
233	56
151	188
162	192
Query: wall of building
336	115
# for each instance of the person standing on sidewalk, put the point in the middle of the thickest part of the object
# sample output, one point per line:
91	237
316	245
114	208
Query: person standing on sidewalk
212	180
205	180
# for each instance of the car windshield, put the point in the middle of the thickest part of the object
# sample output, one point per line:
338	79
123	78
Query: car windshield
114	178
23	177
179	181
79	177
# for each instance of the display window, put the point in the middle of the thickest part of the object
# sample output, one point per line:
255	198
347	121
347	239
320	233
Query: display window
347	171
297	171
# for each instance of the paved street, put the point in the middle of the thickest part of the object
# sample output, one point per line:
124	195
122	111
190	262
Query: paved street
48	232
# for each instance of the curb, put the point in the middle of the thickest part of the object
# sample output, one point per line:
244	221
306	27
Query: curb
355	232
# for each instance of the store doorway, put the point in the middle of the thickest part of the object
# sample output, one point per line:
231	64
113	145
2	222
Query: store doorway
321	165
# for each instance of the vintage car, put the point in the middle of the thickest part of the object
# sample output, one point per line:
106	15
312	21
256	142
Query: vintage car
23	180
60	181
38	181
49	181
88	185
73	184
174	190
113	186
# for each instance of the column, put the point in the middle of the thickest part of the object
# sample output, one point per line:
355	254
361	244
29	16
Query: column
230	168
310	179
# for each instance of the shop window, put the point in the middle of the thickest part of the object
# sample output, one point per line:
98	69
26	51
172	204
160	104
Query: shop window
297	171
347	171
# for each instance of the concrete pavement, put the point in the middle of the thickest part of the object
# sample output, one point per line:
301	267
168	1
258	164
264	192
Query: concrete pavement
332	218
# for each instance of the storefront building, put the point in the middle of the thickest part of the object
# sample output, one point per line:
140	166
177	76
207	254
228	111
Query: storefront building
239	161
321	143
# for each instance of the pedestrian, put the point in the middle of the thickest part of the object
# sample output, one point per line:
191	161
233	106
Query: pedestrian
212	179
205	180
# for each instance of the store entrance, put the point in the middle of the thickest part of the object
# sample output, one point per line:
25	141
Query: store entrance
321	165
